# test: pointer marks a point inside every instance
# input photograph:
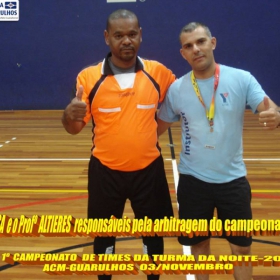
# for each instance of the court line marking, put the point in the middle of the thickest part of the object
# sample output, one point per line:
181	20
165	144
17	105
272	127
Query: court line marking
47	201
87	159
7	142
43	191
85	191
44	159
186	249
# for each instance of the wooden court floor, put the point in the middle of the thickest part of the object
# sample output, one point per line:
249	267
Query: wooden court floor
43	171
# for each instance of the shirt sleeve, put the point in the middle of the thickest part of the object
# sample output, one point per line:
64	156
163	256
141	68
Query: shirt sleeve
167	80
166	110
255	93
162	75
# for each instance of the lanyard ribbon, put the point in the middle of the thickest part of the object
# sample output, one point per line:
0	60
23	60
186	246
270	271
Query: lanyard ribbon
211	112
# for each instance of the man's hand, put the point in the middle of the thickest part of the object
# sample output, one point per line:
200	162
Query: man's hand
76	110
270	117
73	115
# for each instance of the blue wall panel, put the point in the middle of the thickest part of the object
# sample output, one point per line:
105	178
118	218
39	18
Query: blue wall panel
42	53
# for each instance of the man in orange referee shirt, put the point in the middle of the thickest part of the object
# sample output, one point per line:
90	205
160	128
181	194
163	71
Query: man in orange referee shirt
121	95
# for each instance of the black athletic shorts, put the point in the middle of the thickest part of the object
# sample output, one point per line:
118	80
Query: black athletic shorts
198	199
147	189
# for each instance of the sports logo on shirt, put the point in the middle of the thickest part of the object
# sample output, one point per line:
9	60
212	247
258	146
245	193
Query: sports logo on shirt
9	10
224	98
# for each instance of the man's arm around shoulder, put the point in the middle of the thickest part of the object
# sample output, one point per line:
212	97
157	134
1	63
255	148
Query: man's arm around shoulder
162	126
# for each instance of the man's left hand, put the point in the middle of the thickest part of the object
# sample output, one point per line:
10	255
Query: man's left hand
270	117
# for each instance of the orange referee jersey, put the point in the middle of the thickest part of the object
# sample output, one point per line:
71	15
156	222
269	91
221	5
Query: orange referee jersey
123	110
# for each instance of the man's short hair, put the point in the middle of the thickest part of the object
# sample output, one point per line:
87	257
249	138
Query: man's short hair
190	27
121	13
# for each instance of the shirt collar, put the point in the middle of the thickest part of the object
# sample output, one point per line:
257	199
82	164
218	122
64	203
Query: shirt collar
106	69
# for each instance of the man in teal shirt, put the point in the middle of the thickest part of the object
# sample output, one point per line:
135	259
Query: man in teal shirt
210	101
